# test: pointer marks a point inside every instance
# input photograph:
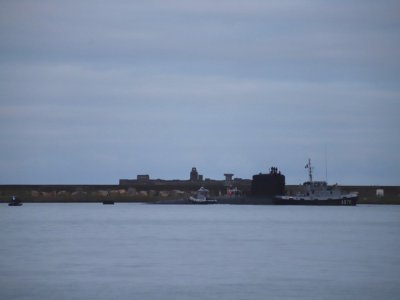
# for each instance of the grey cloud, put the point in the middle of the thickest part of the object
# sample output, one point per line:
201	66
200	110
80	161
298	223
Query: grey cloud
94	85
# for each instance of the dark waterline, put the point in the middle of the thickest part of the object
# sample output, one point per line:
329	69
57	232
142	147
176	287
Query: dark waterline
138	251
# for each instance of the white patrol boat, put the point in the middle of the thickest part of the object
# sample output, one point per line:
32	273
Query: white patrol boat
318	193
202	197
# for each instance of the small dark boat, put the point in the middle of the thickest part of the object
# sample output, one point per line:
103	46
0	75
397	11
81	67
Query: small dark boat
318	193
109	202
15	202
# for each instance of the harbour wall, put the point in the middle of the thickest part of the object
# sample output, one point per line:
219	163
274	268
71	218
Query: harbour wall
163	190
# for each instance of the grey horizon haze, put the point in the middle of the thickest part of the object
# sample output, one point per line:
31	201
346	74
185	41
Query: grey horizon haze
95	91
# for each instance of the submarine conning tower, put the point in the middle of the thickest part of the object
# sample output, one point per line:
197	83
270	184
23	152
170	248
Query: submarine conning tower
268	184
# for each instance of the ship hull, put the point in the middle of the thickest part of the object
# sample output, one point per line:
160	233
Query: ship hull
246	200
202	201
351	201
243	200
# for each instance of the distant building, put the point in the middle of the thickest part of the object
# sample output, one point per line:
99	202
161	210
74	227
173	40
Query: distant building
194	175
228	179
143	178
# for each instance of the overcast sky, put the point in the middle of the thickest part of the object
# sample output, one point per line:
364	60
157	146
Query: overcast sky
95	91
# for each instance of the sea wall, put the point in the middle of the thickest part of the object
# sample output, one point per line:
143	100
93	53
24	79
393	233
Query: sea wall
86	193
146	192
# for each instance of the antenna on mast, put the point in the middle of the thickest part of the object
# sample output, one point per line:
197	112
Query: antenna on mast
326	165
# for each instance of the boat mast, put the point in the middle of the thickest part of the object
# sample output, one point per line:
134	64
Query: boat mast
309	170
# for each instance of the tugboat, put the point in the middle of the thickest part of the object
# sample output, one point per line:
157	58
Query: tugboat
318	193
15	202
202	197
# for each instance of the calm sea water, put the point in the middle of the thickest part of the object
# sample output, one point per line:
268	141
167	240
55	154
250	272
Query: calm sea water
138	251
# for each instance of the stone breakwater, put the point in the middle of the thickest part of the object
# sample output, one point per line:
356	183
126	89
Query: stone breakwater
86	193
154	193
